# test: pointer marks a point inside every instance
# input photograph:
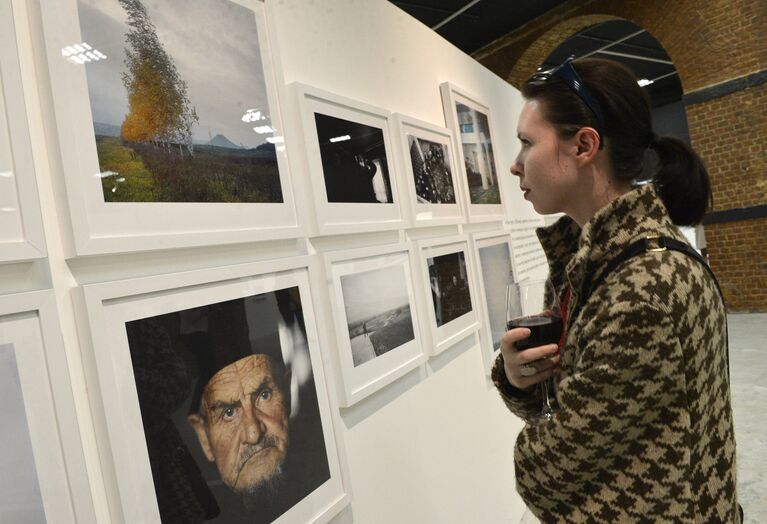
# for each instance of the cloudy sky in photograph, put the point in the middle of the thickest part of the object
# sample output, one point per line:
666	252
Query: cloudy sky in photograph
374	292
214	45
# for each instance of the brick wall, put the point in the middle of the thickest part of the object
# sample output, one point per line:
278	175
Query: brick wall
710	43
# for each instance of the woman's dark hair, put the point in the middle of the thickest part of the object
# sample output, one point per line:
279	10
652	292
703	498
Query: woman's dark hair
681	180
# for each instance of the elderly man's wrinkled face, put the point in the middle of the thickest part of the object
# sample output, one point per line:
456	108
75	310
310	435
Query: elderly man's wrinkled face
244	429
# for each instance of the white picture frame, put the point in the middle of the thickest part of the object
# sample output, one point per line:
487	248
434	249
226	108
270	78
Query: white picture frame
364	374
100	227
31	343
350	209
496	248
445	333
422	212
486	161
130	491
21	228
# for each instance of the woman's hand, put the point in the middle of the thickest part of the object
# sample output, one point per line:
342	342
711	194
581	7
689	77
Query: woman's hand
527	368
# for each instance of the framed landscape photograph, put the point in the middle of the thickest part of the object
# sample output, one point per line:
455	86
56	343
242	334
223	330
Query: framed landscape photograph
215	397
431	181
157	151
447	270
471	122
21	229
354	188
492	253
375	317
44	477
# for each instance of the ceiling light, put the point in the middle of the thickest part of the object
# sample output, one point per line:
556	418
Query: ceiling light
644	82
341	138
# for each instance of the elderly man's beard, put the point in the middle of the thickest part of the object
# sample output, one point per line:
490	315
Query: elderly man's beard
264	491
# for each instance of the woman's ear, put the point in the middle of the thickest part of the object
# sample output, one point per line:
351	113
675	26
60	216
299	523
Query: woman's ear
587	142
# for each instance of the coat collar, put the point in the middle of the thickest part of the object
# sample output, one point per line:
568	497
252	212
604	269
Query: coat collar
579	255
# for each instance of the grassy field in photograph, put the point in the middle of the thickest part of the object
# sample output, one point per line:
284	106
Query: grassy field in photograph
163	174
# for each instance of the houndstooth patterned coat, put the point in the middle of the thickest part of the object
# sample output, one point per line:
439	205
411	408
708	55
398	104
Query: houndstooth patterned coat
645	431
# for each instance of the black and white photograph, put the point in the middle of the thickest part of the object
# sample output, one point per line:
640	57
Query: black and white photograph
179	102
449	282
354	162
478	156
431	171
230	409
378	312
20	497
495	261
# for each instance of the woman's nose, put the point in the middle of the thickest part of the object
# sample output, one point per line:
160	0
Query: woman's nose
516	168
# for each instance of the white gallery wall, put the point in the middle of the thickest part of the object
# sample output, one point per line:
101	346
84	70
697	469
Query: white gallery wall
434	446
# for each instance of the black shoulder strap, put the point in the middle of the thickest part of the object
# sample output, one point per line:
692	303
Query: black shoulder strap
661	243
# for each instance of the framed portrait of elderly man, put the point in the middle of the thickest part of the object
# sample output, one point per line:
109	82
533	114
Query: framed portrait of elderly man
376	323
216	402
156	151
448	272
350	163
471	122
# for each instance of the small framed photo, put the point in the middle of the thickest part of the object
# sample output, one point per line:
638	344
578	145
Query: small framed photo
375	316
215	397
427	160
351	163
471	122
449	288
21	229
492	253
158	152
44	477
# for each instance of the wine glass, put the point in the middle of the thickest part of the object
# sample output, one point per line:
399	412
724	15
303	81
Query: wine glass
533	304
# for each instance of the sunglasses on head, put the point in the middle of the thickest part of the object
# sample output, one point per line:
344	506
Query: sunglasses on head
572	79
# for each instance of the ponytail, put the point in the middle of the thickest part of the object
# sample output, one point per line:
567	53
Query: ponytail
681	181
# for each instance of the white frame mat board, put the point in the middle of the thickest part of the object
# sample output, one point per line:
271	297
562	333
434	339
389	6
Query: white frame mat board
421	211
21	229
120	433
116	227
30	338
345	272
445	335
452	95
340	216
491	316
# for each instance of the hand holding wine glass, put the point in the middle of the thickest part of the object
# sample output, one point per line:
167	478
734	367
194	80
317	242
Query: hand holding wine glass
530	347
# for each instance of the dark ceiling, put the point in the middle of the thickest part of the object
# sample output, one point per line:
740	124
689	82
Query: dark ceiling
472	24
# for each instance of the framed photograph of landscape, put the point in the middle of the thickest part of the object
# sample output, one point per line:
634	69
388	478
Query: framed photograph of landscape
449	288
158	152
376	323
44	477
215	400
431	184
350	163
21	229
471	122
492	255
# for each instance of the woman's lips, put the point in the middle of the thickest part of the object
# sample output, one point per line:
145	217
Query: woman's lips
525	191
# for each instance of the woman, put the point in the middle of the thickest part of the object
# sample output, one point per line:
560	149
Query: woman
644	432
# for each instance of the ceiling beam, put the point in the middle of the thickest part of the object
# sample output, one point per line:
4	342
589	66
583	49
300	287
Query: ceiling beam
636	57
457	13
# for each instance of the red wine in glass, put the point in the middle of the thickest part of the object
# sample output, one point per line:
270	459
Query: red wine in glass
543	330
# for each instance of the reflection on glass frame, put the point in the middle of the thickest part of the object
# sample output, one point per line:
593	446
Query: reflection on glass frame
470	120
430	181
377	329
447	270
492	253
21	230
156	151
40	437
197	341
350	163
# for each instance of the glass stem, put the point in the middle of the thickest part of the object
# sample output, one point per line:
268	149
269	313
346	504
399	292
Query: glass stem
547	410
